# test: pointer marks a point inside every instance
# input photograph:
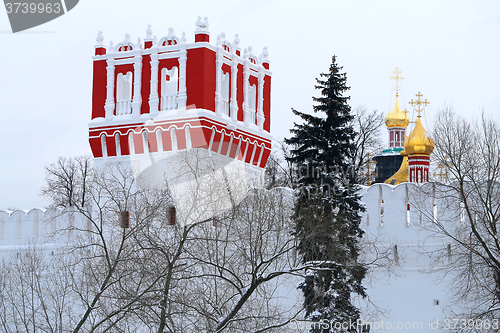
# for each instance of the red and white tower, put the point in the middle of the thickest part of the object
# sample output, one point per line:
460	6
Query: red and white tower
169	95
418	147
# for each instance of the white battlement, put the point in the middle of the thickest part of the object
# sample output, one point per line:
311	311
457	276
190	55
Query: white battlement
22	227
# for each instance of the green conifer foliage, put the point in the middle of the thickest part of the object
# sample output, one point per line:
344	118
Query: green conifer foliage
327	206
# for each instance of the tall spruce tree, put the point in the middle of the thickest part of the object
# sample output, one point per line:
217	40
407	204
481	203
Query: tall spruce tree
327	208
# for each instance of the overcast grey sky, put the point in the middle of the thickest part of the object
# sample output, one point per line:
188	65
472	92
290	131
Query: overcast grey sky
448	50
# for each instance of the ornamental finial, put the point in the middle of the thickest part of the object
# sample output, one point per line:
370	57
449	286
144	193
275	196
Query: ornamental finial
418	103
265	54
149	32
237	39
397	76
127	39
99	38
205	23
183	38
171	33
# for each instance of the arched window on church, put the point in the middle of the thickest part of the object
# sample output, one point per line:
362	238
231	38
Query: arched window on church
173	138
159	139
188	137
145	142
124	93
103	146
117	144
131	147
225	94
169	88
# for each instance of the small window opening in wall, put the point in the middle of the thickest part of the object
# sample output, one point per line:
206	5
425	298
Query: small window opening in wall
117	144
448	249
104	146
125	219
18	255
435	302
172	216
52	253
395	254
146	142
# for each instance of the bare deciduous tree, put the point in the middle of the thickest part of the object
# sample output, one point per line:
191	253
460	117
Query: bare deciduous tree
469	213
367	141
121	266
68	182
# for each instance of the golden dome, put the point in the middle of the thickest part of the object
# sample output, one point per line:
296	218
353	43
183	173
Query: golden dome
417	143
401	176
397	118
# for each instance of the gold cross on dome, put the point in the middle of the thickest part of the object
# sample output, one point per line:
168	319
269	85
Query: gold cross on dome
397	72
418	103
406	113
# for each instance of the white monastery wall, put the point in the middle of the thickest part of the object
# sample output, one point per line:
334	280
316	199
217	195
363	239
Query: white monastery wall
21	228
413	295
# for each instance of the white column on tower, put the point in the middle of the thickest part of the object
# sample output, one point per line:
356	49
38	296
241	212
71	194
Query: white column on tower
260	104
218	77
137	99
153	95
246	86
234	82
109	107
182	95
